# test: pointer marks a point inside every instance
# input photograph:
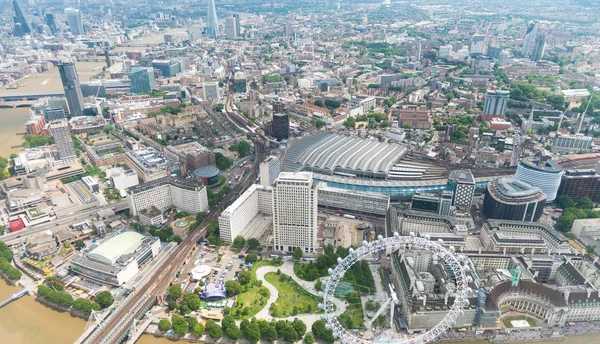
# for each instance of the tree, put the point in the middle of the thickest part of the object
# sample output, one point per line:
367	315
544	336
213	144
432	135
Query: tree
299	326
232	331
556	100
297	253
243	147
164	325
253	243
227	321
320	331
269	333
85	305
239	241
309	338
372	305
13	274
350	123
585	203
180	326
214	331
174	292
198	330
232	287
252	332
319	102
192	301
251	258
319	285
564	202
244	277
104	299
171	305
320	123
288	333
591	249
55	283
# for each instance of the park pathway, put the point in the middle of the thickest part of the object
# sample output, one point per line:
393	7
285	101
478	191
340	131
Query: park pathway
288	269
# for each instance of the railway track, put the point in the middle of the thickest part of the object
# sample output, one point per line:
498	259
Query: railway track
116	328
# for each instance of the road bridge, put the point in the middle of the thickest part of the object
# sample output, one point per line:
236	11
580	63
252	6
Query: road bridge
7	97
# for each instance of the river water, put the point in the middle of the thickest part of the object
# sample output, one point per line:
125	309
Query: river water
27	321
13	120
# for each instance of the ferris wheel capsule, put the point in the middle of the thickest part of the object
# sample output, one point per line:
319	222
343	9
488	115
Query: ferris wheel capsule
320	294
396	234
351	250
320	305
340	260
365	243
380	237
329	271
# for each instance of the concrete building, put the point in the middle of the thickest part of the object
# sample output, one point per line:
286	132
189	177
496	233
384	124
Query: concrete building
75	21
586	227
534	42
54	113
167	68
445	203
91	184
567	143
462	184
70	82
478	45
365	103
546	175
269	170
510	199
508	236
425	202
117	259
353	202
295	212
232	29
406	222
580	183
249	216
35	125
149	164
124	180
495	104
166	193
62	138
211	91
142	80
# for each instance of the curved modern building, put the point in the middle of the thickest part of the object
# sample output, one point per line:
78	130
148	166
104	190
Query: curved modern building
546	175
209	175
510	199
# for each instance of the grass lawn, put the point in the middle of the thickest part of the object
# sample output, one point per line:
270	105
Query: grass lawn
293	299
507	321
353	317
250	302
255	297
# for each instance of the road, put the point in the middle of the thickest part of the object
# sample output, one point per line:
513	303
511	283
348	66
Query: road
21	236
117	325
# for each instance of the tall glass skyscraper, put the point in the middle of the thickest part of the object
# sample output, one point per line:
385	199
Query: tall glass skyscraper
75	21
142	80
70	81
21	25
212	26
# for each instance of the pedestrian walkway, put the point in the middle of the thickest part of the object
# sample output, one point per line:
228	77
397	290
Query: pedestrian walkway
288	269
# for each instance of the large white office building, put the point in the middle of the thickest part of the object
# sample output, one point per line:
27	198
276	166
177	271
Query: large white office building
166	193
295	212
249	216
269	170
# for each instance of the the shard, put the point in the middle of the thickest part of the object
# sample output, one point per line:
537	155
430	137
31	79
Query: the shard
21	25
212	26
